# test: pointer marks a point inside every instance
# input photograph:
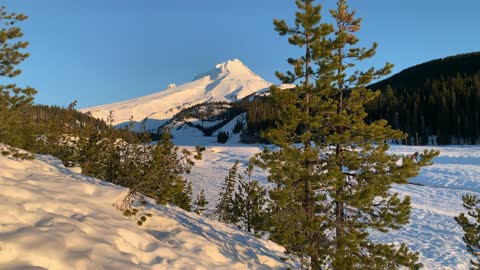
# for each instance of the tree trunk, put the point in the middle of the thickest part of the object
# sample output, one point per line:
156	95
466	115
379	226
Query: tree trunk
339	205
307	181
308	189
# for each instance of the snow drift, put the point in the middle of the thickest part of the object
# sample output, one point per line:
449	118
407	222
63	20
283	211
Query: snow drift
55	218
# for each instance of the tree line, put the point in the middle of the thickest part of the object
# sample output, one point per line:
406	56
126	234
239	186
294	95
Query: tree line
439	99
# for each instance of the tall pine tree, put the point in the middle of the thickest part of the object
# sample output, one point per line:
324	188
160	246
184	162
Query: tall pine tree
332	174
14	101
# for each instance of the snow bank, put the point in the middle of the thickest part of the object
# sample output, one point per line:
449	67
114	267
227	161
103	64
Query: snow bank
54	218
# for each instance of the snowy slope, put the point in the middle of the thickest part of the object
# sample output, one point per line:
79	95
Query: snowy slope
54	218
228	81
432	230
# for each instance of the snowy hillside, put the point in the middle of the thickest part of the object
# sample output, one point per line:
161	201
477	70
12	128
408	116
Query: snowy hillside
228	81
55	218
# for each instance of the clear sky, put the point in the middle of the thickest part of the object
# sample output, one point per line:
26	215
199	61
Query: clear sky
102	51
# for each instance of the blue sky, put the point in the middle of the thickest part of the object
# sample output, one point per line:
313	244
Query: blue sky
102	51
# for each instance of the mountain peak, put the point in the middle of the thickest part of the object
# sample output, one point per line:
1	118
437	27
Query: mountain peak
228	67
232	63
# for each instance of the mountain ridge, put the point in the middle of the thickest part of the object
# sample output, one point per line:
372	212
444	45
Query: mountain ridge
465	63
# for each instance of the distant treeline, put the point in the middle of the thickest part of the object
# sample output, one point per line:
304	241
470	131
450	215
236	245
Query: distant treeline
45	116
440	98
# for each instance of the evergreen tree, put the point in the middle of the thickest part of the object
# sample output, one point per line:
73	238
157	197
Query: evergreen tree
224	209
183	198
470	224
15	101
222	137
248	203
101	153
131	169
200	203
436	98
92	153
334	188
162	178
238	126
60	139
112	151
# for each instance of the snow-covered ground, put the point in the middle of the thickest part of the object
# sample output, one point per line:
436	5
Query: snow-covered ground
432	230
55	218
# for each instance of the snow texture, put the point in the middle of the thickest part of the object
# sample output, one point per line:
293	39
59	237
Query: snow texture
55	218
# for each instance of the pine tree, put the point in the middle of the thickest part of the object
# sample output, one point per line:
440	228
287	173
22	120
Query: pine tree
15	102
131	169
102	154
470	224
333	188
60	140
224	208
248	202
183	198
162	178
200	203
222	137
239	126
112	151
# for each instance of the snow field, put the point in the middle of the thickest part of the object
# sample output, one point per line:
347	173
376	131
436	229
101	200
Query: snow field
432	230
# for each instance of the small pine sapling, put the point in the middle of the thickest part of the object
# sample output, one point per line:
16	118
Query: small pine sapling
238	126
224	208
249	202
470	223
222	137
200	203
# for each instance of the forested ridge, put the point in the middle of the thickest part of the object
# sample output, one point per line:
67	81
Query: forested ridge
439	98
468	63
42	115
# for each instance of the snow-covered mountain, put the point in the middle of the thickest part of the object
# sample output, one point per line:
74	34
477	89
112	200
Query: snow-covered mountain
228	81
